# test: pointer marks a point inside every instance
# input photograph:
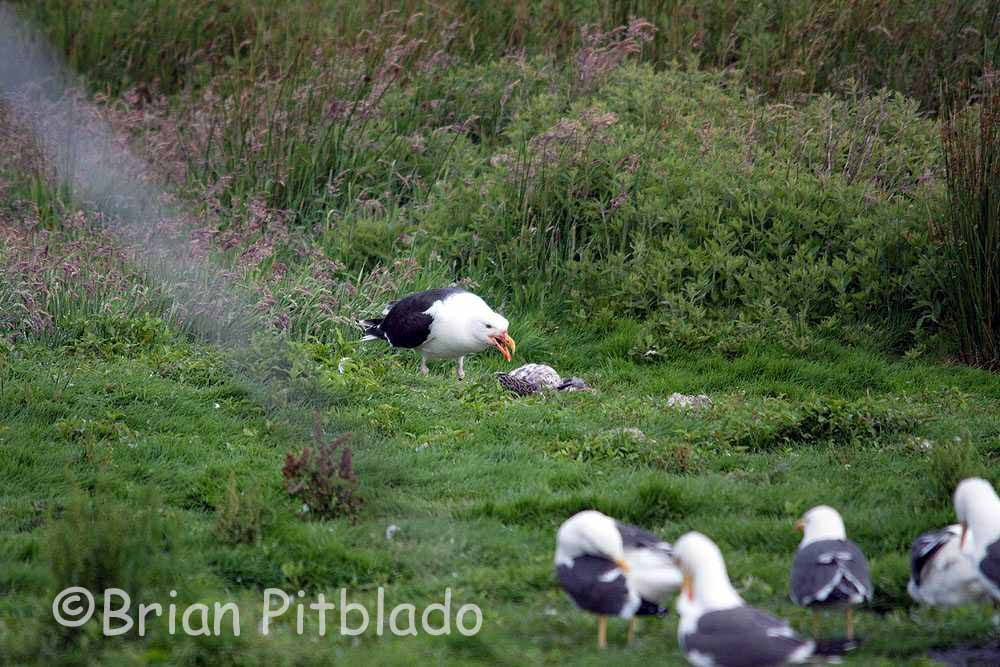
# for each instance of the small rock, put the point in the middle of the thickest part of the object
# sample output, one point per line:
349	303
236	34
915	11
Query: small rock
391	530
678	400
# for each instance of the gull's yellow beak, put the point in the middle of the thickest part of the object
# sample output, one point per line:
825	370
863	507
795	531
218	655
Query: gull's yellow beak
505	344
622	565
687	586
800	525
961	540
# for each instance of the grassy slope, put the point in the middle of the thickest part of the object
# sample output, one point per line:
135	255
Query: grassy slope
150	431
478	506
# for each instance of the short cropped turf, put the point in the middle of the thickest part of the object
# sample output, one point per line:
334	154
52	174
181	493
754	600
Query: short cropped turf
117	467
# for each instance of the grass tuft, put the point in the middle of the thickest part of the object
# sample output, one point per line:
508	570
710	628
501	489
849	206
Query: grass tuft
971	226
240	515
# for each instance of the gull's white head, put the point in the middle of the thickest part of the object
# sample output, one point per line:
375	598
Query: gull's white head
490	329
485	326
706	583
821	523
967	543
590	533
978	509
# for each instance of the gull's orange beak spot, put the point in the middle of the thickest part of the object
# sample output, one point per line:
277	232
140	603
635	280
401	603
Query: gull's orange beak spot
687	587
800	525
505	344
961	540
622	565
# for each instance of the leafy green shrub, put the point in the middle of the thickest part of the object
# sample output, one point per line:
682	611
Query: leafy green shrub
669	197
112	335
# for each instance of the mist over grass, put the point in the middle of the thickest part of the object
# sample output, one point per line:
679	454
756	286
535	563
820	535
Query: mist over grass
76	152
659	199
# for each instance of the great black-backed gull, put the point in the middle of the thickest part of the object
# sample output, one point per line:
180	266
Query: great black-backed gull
978	510
829	570
613	569
446	323
941	569
717	628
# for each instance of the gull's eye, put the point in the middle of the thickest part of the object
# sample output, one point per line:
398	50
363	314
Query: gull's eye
489	326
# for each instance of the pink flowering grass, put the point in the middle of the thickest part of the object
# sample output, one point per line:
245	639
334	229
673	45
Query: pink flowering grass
316	186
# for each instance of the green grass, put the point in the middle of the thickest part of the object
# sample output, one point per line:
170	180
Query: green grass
736	209
477	482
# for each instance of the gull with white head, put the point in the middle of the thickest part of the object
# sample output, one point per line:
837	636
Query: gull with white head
445	323
942	573
613	569
829	570
717	628
978	510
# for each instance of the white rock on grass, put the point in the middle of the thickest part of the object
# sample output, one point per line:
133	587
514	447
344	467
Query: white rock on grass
699	401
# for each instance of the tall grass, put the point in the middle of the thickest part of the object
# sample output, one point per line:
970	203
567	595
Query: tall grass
971	228
120	43
577	178
312	136
786	48
799	46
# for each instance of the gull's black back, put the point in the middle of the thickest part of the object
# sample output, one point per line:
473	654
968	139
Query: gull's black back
829	572
406	324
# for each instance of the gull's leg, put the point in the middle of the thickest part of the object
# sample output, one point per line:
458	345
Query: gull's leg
602	631
631	629
850	623
423	365
461	368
